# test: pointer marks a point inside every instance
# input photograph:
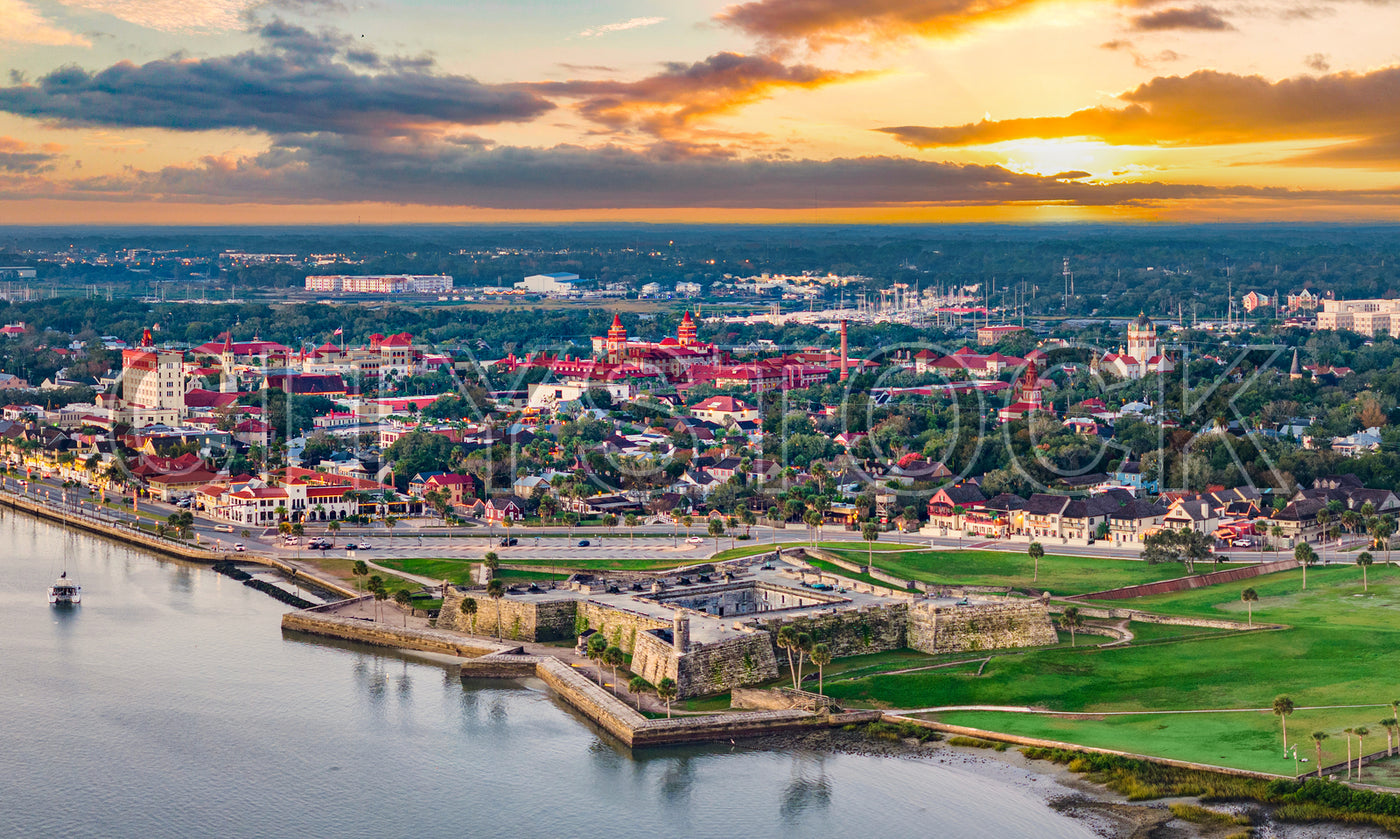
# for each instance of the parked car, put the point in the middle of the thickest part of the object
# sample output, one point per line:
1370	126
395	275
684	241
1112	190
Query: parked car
509	543
583	543
1242	543
239	547
350	546
695	540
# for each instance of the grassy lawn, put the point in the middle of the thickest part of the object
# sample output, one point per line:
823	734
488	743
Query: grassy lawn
1342	648
454	570
1061	575
753	549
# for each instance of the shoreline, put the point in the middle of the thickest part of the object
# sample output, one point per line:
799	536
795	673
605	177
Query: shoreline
1093	804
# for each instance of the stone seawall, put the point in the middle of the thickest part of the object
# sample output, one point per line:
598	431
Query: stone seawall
1104	613
387	635
956	629
521	620
1230	575
165	547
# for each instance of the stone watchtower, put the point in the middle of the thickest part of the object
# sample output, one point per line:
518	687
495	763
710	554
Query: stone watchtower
680	633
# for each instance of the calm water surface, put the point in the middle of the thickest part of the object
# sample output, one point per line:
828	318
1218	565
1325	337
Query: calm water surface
170	705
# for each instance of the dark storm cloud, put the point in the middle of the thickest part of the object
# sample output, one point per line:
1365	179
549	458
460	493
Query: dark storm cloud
297	83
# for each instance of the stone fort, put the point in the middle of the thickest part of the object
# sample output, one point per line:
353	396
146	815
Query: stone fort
714	636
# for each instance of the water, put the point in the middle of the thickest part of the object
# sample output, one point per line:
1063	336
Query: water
169	704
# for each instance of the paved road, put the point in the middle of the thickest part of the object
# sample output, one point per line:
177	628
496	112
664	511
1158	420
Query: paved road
426	537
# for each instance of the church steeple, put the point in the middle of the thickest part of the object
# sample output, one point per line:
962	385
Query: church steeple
686	333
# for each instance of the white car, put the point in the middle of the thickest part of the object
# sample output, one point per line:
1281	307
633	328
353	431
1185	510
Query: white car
239	547
695	540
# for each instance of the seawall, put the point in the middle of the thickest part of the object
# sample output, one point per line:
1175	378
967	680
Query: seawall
164	547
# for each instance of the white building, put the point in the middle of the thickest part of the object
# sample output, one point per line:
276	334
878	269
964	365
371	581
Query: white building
380	283
553	394
1369	317
558	283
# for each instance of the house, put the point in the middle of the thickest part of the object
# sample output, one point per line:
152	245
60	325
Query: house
1131	523
1358	443
460	489
947	506
504	508
996	517
720	409
1081	518
1192	514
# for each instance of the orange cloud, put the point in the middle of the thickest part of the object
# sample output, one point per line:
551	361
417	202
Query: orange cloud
1205	108
822	22
669	104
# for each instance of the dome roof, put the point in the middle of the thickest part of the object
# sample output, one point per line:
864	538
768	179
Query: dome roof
1143	322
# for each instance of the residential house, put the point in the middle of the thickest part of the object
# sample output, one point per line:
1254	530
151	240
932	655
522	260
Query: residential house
502	508
1131	523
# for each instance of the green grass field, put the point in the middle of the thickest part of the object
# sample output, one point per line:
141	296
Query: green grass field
1060	575
1342	647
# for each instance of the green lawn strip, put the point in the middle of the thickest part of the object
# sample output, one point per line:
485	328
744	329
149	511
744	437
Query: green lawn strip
518	574
1244	740
601	564
456	571
1146	632
1061	575
1334	598
849	575
742	551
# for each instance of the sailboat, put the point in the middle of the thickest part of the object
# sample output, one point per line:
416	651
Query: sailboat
65	592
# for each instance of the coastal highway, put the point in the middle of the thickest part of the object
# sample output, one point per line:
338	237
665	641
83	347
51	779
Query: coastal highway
427	537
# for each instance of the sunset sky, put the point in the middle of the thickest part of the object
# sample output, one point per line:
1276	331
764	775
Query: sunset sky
232	111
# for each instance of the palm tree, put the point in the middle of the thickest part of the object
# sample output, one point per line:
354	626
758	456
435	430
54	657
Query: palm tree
359	569
1351	520
492	562
405	601
1349	732
812	519
821	656
614	657
1283	706
1323	517
597	645
496	590
469	608
716	530
1361	732
1389	724
1035	551
870	532
631	522
1249	596
687	520
1385	527
638	686
748	519
1306	556
1277	532
333	527
804	646
380	592
731	524
787	640
609	521
1071	620
1364	560
1318	737
666	690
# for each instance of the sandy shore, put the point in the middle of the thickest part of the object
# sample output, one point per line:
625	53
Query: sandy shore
1098	808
